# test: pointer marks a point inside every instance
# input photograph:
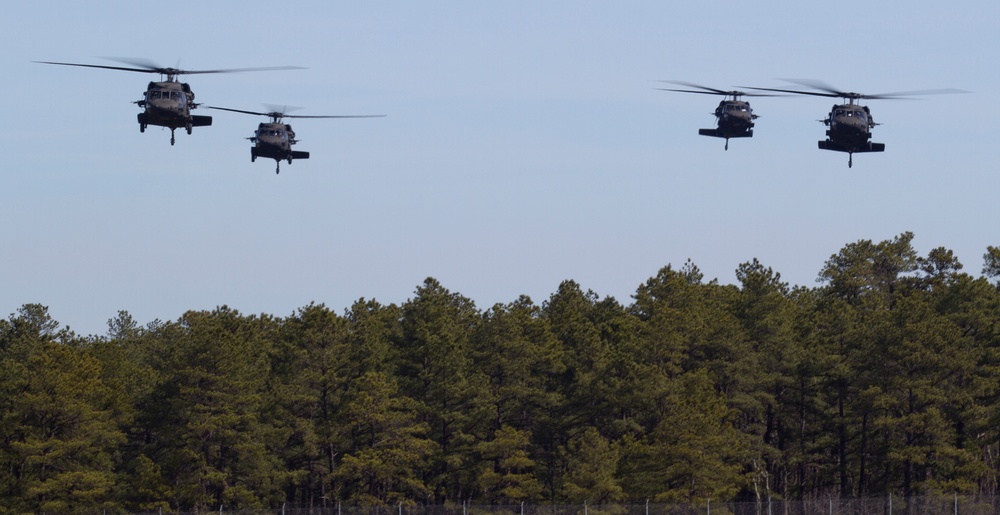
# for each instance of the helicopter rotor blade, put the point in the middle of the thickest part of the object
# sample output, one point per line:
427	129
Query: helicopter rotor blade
280	109
337	116
825	90
155	68
705	89
238	111
816	84
122	68
692	91
146	66
795	91
280	114
238	70
138	62
902	94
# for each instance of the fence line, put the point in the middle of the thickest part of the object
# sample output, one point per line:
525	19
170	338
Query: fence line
919	505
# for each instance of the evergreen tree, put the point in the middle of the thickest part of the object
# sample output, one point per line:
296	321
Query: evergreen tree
203	422
388	453
597	338
62	434
508	476
693	454
591	469
435	369
766	367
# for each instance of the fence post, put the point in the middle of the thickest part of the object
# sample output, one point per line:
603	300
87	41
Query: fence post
647	506
584	507
522	507
463	508
890	503
956	503
708	506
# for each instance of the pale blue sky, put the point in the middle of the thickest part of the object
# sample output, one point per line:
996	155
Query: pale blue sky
524	144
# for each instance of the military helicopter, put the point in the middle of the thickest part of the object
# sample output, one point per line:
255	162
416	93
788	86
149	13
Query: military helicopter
168	103
850	125
734	116
274	139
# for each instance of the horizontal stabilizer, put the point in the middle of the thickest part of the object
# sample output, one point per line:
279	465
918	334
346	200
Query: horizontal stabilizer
867	147
716	133
201	121
298	154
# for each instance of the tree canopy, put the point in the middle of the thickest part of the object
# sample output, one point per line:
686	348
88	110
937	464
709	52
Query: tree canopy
882	379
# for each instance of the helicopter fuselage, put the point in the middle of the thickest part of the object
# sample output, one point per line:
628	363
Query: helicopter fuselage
850	125
169	104
850	130
275	140
735	118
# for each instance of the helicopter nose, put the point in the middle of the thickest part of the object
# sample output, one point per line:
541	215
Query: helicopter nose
740	116
854	123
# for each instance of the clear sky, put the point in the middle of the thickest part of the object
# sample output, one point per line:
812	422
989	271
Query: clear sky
524	145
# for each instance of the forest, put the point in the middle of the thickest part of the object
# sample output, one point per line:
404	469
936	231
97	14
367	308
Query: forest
883	378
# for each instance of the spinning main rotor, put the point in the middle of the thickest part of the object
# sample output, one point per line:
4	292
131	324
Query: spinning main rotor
705	90
825	90
146	66
277	115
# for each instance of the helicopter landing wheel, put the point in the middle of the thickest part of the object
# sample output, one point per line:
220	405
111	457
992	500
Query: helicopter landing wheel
850	160
171	137
289	159
142	127
277	168
727	143
188	128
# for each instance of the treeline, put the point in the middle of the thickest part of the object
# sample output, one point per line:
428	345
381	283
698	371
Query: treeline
882	379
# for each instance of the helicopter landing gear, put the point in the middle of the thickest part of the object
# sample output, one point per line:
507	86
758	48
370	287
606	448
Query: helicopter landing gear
727	143
850	159
142	127
171	137
188	128
277	167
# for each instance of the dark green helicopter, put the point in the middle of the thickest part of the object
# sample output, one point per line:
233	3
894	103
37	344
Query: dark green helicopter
850	125
168	103
734	117
274	139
